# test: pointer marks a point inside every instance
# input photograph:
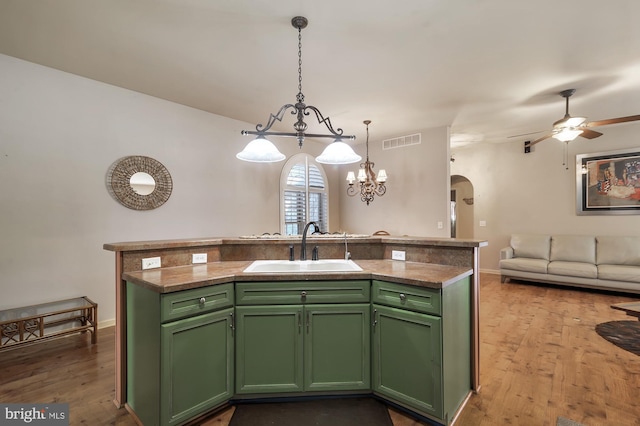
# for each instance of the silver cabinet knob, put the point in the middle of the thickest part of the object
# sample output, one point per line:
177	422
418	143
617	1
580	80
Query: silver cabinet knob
403	297
303	294
202	300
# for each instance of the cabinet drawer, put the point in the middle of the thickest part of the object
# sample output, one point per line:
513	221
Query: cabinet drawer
419	299
296	292
197	301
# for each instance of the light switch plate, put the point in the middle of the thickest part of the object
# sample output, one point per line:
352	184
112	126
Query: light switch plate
151	262
199	258
440	225
397	254
483	223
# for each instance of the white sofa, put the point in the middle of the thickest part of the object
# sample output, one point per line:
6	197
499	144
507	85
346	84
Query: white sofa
603	262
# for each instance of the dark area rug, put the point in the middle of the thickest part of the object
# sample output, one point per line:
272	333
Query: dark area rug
319	412
563	421
624	334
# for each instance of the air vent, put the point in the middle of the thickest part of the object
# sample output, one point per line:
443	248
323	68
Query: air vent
402	141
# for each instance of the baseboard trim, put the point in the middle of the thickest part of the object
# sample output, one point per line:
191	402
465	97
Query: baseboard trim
106	323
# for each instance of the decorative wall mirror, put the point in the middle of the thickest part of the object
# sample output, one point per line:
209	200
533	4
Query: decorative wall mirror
139	183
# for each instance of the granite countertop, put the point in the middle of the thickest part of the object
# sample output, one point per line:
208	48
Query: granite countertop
167	280
249	240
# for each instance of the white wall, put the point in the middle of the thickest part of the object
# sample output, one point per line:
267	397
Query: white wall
534	193
59	133
418	187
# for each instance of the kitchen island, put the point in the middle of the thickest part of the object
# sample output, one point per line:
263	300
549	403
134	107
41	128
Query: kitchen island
437	282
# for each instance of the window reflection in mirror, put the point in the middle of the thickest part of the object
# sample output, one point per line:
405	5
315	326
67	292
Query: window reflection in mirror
142	183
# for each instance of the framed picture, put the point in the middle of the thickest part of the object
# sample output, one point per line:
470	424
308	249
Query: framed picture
608	183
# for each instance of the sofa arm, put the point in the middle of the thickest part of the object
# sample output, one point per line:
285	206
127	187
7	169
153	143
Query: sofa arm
506	253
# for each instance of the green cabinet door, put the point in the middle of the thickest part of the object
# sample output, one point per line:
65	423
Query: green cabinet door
197	365
337	347
295	348
269	349
407	360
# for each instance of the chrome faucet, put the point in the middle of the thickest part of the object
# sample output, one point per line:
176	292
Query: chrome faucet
347	255
303	248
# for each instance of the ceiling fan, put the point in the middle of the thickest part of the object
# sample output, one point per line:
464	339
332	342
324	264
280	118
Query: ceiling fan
568	128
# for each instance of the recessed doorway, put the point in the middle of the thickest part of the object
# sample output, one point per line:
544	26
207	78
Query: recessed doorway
461	207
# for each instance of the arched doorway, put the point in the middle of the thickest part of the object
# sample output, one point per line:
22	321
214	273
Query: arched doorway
461	207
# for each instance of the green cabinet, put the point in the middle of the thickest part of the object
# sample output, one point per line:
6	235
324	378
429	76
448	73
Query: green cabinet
422	346
269	349
302	347
196	365
407	358
180	352
337	347
191	351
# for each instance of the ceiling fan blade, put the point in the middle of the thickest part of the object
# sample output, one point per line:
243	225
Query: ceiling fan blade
590	134
524	134
612	121
541	139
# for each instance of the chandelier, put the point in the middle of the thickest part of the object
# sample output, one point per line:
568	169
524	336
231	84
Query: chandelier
263	151
370	184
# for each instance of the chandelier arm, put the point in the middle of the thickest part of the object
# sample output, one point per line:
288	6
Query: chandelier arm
322	120
381	189
273	118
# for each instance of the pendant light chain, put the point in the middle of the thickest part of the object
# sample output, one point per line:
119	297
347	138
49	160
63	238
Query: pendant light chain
367	141
300	96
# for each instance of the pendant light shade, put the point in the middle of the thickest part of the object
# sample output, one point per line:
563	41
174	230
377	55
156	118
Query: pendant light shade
338	152
260	150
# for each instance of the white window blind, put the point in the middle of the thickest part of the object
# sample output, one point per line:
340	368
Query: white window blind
304	195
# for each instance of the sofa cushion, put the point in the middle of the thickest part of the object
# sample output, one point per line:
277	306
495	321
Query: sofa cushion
573	248
619	273
573	269
618	250
531	246
524	264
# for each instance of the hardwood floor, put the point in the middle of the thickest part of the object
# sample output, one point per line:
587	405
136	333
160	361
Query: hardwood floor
540	359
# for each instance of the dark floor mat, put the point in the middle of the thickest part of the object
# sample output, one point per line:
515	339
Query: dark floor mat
624	334
322	412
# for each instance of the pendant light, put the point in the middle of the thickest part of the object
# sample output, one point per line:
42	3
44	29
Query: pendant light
263	151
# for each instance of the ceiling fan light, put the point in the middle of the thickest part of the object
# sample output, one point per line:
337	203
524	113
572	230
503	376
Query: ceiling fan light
338	152
568	121
260	150
575	121
567	135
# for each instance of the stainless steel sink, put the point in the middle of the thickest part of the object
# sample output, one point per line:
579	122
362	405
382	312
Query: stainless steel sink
304	266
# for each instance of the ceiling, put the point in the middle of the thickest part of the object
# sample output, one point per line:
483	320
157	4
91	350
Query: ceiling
487	68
